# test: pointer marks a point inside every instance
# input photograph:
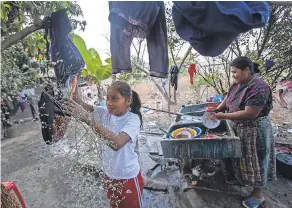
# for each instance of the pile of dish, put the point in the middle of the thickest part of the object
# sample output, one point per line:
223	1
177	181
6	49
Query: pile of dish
186	133
188	118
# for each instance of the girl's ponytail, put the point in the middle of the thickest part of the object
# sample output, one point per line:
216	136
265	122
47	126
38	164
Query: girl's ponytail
136	105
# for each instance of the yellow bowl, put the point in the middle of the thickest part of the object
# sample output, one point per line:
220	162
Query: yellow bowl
193	132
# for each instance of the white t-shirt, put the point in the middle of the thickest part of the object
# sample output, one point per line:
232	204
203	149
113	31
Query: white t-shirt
121	164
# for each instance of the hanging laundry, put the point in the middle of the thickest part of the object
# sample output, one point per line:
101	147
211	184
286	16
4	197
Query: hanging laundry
210	27
174	76
67	58
60	124
285	93
53	120
269	64
68	62
139	19
192	71
46	112
21	101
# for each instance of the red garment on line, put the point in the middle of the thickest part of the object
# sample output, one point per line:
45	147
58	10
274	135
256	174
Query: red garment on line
192	71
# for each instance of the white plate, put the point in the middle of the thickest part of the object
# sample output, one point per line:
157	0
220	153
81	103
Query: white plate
187	118
209	121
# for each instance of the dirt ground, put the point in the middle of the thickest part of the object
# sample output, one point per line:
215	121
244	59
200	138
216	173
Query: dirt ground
46	180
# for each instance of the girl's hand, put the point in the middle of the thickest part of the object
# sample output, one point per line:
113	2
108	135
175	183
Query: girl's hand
76	96
74	109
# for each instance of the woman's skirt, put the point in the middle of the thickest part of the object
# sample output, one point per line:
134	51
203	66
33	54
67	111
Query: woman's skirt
258	161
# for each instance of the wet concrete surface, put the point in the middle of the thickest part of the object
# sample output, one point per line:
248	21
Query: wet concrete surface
45	181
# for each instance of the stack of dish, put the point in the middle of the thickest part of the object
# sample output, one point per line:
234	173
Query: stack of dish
186	133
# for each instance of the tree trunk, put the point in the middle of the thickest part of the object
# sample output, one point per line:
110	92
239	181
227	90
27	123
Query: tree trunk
161	90
12	39
174	96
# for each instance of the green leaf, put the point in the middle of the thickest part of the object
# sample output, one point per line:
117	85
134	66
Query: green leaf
91	69
41	45
3	26
4	16
7	6
105	72
108	60
36	76
65	4
84	73
80	44
95	56
94	67
35	51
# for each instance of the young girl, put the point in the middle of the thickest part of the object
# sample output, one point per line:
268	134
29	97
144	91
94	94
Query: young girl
119	123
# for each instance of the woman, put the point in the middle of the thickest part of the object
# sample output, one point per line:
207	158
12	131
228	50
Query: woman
248	104
119	123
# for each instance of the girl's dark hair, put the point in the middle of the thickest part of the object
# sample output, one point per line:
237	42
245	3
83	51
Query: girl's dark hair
242	62
127	92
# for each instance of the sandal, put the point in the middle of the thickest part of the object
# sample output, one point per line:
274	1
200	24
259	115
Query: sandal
252	203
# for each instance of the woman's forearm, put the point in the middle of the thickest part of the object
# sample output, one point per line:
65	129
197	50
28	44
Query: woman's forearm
221	107
238	115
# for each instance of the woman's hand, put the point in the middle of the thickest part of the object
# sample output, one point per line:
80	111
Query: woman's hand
74	109
220	115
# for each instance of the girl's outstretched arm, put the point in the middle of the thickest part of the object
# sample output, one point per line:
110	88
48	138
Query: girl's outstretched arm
117	141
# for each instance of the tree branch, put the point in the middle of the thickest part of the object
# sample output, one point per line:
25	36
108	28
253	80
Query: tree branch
238	48
106	37
180	47
171	52
12	39
165	95
135	49
271	22
185	57
258	39
232	49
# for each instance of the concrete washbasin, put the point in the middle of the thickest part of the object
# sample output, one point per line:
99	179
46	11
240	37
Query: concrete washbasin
227	145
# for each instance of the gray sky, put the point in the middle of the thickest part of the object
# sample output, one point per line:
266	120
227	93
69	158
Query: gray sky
96	16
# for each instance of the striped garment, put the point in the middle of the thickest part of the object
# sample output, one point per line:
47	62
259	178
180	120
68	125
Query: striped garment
125	193
258	161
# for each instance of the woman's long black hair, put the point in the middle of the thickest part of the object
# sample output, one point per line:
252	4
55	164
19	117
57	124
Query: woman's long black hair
127	93
242	62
